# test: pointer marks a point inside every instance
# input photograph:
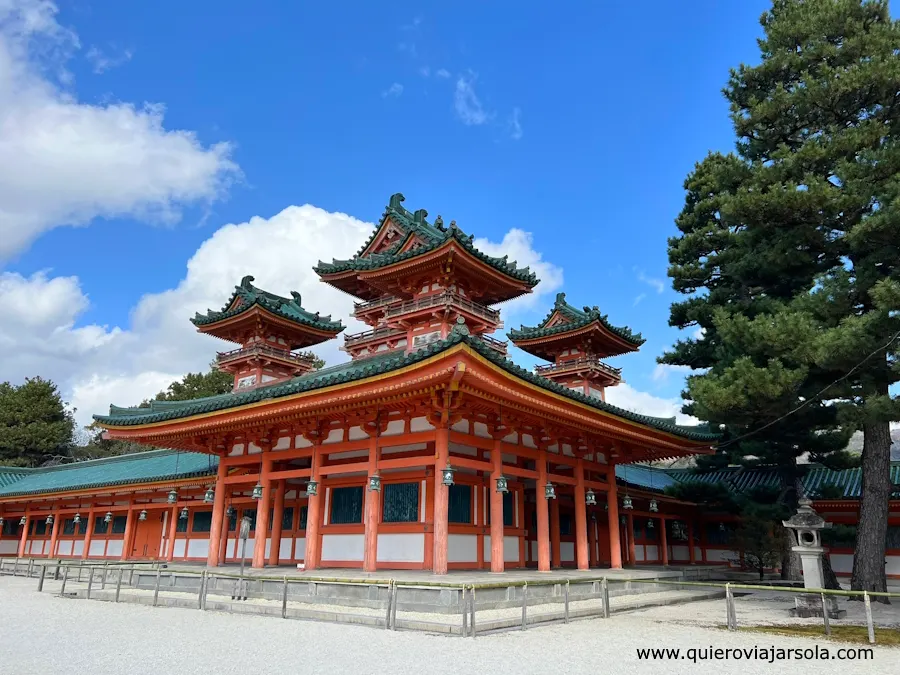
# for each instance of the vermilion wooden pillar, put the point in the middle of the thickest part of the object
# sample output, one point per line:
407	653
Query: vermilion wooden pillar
216	530
88	534
373	501
128	539
662	540
262	512
314	516
23	539
54	536
592	541
441	497
277	518
543	525
690	534
173	525
632	558
497	562
555	545
612	516
581	535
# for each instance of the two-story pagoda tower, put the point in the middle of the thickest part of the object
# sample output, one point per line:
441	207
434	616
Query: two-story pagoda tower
269	330
417	279
576	340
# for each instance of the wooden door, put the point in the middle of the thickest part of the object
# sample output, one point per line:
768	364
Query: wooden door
147	537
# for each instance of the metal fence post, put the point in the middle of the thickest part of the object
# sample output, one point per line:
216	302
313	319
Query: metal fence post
80	567
119	583
103	578
524	605
465	612
15	567
284	591
869	623
209	577
156	589
41	578
390	603
472	605
605	589
62	589
394	607
30	567
825	616
729	609
200	593
566	601
90	581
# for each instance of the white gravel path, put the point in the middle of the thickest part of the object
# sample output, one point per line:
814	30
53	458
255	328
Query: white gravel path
46	635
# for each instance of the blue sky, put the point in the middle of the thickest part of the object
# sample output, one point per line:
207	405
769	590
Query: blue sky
575	126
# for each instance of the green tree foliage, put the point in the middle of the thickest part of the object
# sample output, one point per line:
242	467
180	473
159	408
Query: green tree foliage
789	251
36	426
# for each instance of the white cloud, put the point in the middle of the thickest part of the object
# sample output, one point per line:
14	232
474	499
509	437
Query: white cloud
64	162
442	73
663	370
98	365
699	333
102	61
515	124
467	104
519	246
624	396
424	71
394	90
638	299
658	284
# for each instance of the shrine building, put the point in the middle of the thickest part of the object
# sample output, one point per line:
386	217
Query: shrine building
427	449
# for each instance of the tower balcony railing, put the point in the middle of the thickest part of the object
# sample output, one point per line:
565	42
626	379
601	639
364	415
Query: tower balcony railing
263	351
579	364
494	343
447	299
363	307
374	334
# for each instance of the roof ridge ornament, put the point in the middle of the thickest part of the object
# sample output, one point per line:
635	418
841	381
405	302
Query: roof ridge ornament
247	282
460	328
396	201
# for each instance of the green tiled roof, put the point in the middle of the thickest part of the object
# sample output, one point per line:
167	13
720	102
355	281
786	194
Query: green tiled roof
286	308
642	476
9	475
143	467
432	235
741	479
578	318
377	365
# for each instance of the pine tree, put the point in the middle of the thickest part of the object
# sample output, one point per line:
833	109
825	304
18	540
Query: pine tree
36	426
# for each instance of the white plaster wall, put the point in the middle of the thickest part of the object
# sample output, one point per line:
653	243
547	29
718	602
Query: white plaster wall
236	553
9	546
283	443
300	549
356	434
394	428
334	436
343	547
180	548
893	564
651	552
698	553
639	553
301	442
97	548
481	430
401	547
65	547
842	563
36	547
268	547
681	553
463	449
420	424
198	548
510	549
284	549
528	441
719	555
78	548
534	551
114	548
567	551
462	548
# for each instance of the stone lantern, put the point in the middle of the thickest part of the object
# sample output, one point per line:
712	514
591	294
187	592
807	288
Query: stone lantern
807	525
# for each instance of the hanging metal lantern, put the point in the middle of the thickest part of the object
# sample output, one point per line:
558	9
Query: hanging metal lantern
172	496
312	488
590	498
550	491
77	518
447	474
502	485
650	524
654	507
108	517
23	520
229	511
374	483
721	527
606	506
626	503
594	517
257	491
2	520
184	513
210	495
50	519
142	515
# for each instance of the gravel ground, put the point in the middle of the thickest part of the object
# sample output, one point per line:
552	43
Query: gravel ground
43	634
